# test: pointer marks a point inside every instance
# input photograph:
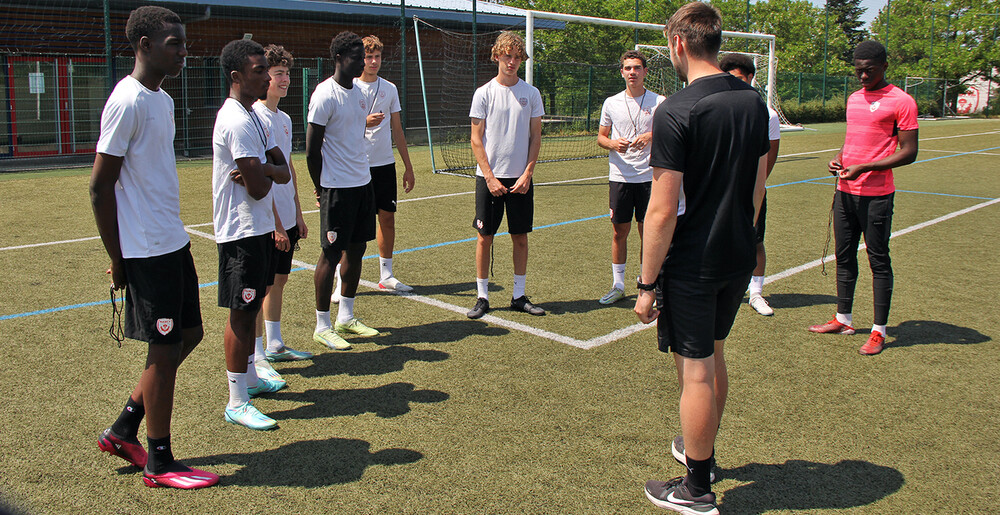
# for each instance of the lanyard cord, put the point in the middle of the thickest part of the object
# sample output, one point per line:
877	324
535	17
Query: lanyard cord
635	121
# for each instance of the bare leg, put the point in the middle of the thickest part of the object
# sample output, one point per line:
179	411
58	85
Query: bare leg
323	277
483	244
350	269
386	234
520	242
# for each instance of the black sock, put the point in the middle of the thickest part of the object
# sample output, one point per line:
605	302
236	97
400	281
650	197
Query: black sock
160	455
698	478
127	425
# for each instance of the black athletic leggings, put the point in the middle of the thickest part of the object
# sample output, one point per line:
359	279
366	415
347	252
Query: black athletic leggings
854	215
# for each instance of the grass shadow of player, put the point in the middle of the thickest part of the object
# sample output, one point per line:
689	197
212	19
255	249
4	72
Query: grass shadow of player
438	332
924	332
797	300
370	363
466	289
387	401
578	306
797	485
308	464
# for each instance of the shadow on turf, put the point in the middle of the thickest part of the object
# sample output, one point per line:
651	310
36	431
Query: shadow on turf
586	305
806	485
797	300
376	362
924	332
391	400
458	289
309	464
437	332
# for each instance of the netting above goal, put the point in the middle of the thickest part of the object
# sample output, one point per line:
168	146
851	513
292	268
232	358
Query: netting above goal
663	79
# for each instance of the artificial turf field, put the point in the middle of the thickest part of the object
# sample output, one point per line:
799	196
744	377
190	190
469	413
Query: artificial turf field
567	413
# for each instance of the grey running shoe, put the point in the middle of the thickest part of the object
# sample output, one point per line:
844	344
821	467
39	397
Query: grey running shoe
674	495
521	304
480	309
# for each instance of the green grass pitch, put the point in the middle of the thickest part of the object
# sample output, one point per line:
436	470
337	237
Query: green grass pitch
521	414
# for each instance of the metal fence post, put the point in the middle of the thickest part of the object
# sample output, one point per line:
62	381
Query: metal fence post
590	92
800	88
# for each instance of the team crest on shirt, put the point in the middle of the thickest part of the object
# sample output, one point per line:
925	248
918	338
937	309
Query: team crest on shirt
874	106
331	236
363	104
523	101
249	294
164	325
381	94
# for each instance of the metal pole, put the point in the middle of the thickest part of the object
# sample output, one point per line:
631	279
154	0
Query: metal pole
748	25
826	40
590	92
636	19
930	55
403	46
108	62
475	46
423	91
888	8
529	36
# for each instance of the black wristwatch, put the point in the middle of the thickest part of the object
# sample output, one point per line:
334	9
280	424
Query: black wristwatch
643	286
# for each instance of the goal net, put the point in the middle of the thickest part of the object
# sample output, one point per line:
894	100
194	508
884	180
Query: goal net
931	95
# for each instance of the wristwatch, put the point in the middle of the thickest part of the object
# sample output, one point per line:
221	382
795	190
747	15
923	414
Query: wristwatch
643	286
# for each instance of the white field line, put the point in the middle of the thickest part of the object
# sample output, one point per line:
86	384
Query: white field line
921	139
30	245
959	152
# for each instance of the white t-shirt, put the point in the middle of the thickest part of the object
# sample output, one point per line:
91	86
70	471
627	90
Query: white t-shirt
507	112
138	125
381	97
238	134
773	125
279	124
628	118
342	111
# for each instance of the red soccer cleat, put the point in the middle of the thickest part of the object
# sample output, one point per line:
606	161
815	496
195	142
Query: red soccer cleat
833	326
186	480
131	452
874	345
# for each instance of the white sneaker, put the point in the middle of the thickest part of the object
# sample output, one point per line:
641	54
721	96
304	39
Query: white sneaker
760	305
393	284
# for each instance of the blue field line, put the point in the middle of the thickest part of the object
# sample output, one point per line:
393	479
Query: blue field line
915	162
214	283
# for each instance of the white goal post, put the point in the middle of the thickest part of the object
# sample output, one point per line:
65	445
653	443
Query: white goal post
772	64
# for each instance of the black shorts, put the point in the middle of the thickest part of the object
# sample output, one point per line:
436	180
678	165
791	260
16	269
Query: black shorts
761	221
246	269
346	215
520	208
283	259
384	181
161	297
626	198
693	315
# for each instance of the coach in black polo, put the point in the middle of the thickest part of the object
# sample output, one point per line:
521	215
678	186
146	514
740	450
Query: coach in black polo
708	156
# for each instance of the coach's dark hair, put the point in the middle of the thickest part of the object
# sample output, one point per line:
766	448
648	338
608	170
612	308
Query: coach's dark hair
870	50
235	55
632	54
278	56
739	62
700	26
343	42
146	21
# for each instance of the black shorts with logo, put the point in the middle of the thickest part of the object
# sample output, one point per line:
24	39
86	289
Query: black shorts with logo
346	215
246	269
693	314
520	208
283	259
626	198
161	297
384	181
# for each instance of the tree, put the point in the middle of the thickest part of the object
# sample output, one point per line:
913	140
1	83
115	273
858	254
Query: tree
848	13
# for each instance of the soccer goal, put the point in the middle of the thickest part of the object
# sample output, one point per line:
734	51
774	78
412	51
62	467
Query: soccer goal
453	63
662	78
931	95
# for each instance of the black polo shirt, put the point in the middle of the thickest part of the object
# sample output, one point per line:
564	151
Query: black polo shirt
713	131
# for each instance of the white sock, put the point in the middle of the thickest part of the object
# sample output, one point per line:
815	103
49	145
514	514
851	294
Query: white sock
252	378
518	286
238	395
323	321
273	332
385	267
483	288
878	329
258	348
336	286
756	285
618	276
846	319
346	310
